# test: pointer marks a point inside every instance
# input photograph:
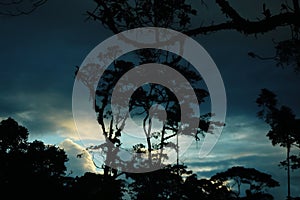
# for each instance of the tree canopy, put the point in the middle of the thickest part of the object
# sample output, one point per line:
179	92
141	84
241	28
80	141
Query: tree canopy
256	182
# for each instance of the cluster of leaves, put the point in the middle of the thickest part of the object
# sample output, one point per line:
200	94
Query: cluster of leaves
121	15
284	125
257	181
288	53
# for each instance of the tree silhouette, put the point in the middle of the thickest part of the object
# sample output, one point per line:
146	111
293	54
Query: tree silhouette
123	15
95	186
26	165
284	126
47	159
32	169
205	189
165	183
144	105
237	177
13	136
143	99
164	14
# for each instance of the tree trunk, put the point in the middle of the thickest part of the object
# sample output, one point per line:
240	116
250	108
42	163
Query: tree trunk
296	6
110	146
149	142
162	146
288	171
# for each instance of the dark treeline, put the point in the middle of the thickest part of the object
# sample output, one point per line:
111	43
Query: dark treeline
30	169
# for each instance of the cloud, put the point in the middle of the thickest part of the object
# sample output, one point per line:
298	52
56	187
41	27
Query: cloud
43	113
37	67
80	161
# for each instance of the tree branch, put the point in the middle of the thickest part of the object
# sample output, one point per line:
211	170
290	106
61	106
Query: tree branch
244	25
109	17
250	27
229	11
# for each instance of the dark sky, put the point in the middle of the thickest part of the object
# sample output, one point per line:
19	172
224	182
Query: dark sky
39	53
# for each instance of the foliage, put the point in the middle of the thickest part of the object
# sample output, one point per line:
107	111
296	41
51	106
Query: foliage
122	14
284	125
26	165
165	183
205	189
96	186
285	128
13	136
236	177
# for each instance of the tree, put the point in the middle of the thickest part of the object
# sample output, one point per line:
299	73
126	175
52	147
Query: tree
143	99
253	181
13	136
95	186
123	15
165	183
285	127
26	165
148	96
205	189
141	102
46	159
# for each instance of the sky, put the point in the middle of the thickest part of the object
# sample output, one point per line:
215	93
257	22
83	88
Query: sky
39	54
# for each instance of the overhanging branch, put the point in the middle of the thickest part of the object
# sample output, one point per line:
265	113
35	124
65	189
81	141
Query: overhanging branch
250	27
246	26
